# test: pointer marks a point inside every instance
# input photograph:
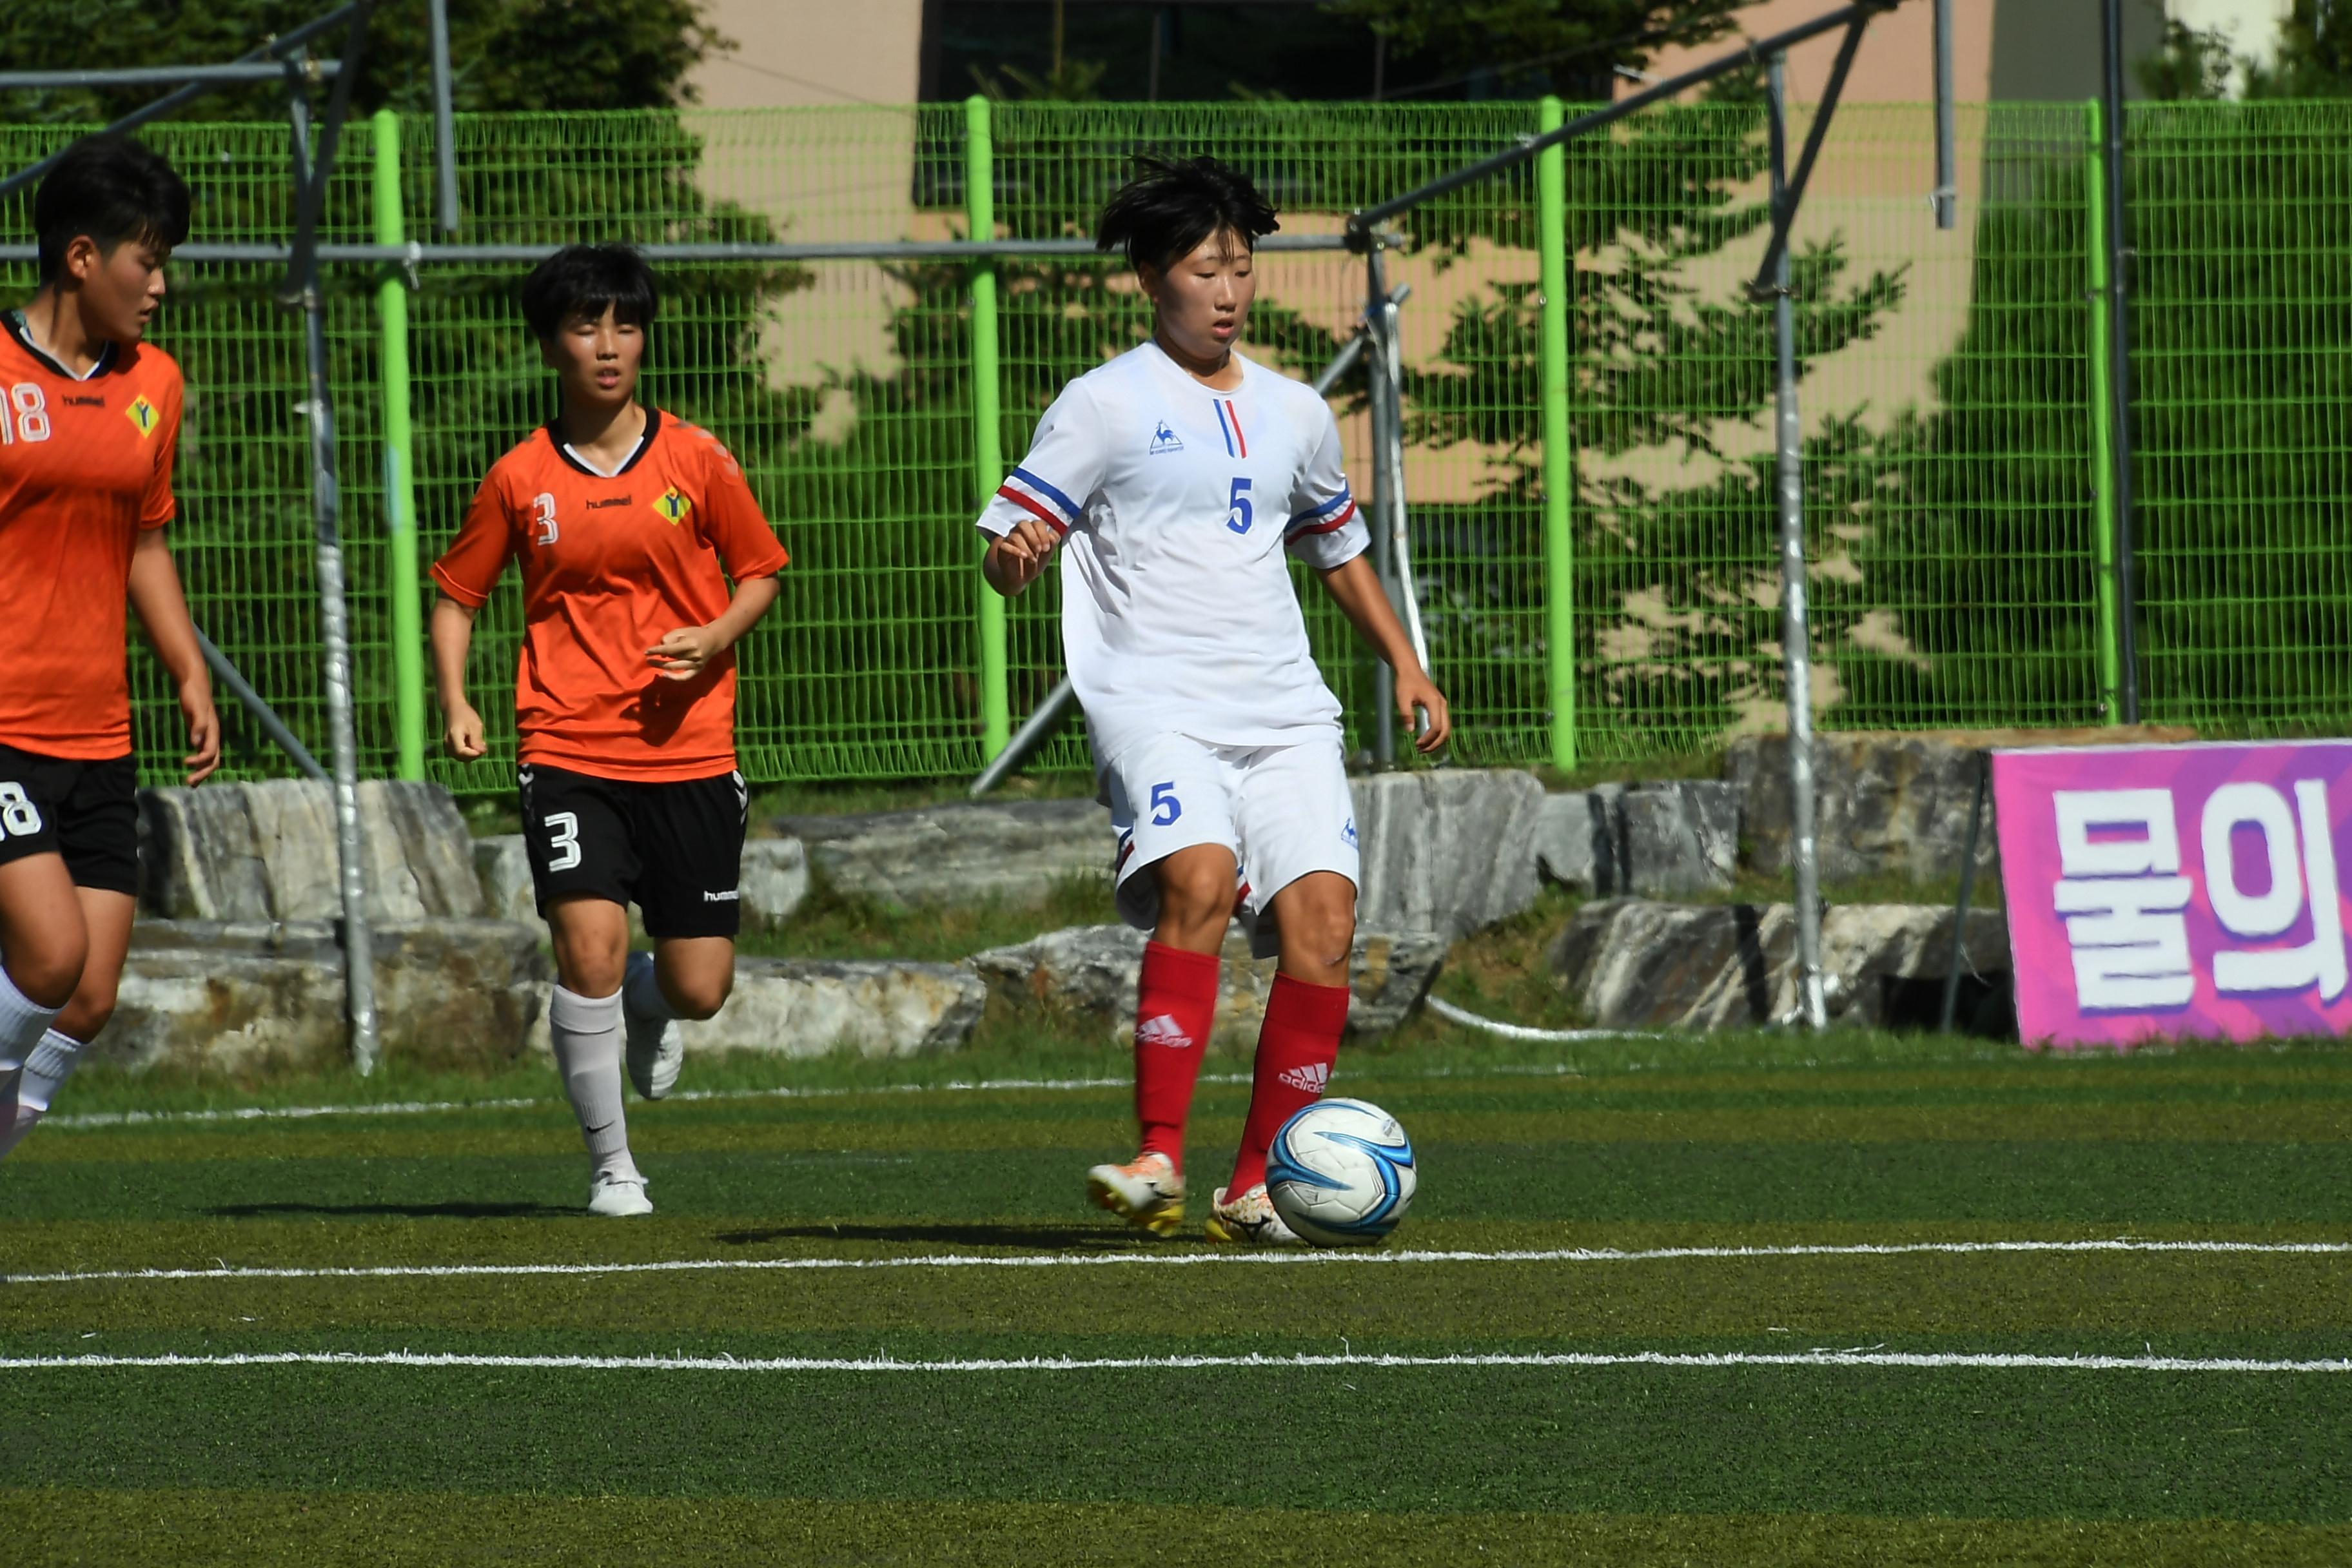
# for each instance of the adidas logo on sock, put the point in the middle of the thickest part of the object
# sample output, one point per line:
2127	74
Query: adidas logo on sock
1162	1030
1312	1078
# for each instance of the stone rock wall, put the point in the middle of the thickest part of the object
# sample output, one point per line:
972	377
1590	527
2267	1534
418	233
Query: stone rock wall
1884	805
1011	851
264	852
1679	836
238	996
1094	969
1446	850
802	1007
1632	963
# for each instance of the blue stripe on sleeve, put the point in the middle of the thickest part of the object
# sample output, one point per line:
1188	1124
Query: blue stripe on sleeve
1325	509
1069	507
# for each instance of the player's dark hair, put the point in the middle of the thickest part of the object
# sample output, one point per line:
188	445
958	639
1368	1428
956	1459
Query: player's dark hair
582	281
115	191
1173	205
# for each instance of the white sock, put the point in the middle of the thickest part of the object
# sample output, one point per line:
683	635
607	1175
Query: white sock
586	1031
23	1021
642	989
46	1066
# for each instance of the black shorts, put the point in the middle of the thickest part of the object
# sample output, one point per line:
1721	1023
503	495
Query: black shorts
87	812
675	850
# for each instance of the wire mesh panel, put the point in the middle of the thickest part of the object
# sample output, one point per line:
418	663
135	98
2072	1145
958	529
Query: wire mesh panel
244	538
2242	337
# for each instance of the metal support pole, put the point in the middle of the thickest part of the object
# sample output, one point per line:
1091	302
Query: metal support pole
987	424
444	146
1790	192
2103	421
399	469
1967	888
1796	652
2119	388
263	714
1384	483
1559	460
1948	154
305	292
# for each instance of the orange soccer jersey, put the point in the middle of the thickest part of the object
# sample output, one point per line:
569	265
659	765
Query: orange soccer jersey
610	566
85	466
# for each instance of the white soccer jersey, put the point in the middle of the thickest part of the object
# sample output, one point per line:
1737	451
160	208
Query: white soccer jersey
1176	500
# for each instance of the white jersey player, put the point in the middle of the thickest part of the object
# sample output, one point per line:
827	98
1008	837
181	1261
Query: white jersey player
1178	478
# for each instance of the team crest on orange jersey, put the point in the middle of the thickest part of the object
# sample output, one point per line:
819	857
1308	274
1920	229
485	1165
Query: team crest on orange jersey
142	414
673	506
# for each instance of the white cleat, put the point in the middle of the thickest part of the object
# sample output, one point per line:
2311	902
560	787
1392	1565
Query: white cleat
1249	1220
657	1046
619	1197
1146	1192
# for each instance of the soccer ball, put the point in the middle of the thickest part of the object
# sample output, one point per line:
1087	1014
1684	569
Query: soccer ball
1341	1172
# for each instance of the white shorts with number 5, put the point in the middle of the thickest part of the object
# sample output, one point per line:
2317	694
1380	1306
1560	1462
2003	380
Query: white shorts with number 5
1284	811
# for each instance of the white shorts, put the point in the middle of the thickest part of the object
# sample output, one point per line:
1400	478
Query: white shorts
1284	811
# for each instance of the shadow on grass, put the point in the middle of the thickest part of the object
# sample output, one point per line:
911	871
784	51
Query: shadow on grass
1028	1237
458	1210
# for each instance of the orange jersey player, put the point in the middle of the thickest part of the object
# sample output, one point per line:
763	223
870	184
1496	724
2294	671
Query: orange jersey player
90	421
628	523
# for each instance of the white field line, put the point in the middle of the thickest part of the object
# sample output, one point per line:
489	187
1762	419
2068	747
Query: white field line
1400	1257
1996	1361
432	1107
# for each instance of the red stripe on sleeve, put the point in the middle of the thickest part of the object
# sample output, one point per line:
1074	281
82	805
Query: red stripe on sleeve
1334	525
1034	507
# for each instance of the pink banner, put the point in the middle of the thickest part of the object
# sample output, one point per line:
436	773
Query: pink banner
2175	891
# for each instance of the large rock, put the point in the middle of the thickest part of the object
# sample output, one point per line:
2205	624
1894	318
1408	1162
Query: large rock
1009	851
802	1007
1094	969
263	852
240	996
1679	836
1632	963
1445	850
774	882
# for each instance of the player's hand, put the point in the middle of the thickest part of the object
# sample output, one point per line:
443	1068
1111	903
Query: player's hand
682	655
203	729
1415	689
1023	554
463	735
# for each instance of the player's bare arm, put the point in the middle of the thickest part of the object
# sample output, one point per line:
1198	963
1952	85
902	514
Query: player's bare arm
1020	557
453	639
1356	589
684	653
163	609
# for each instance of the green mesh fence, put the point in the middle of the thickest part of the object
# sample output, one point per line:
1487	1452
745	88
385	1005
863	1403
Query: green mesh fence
1950	404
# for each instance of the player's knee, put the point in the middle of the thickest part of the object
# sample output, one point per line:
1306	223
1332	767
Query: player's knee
1193	894
86	1015
46	967
700	996
1325	939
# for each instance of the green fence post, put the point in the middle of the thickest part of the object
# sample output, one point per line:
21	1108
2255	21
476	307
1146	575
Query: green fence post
1558	472
987	453
2103	432
399	474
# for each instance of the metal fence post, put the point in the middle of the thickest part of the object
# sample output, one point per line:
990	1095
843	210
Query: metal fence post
2103	417
1796	630
1559	466
2119	364
987	453
399	472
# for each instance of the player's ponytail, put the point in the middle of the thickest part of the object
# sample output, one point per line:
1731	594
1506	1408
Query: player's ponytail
1173	205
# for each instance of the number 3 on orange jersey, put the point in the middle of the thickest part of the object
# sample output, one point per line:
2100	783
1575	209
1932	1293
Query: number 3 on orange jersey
544	513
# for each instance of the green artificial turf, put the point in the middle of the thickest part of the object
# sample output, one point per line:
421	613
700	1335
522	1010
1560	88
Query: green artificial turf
1762	1140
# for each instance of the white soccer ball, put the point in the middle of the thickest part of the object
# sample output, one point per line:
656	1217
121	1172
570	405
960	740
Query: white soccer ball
1341	1172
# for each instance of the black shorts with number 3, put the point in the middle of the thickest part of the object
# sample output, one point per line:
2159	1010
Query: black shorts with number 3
674	850
86	812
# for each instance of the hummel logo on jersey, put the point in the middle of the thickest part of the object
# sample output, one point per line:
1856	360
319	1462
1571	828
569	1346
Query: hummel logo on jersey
731	894
142	414
84	402
1312	1078
1162	1031
610	500
1164	439
673	506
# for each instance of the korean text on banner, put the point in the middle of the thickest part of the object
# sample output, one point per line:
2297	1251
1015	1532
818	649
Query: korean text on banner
2175	891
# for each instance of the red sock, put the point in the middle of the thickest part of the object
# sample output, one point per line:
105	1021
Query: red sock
1174	1006
1296	1047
